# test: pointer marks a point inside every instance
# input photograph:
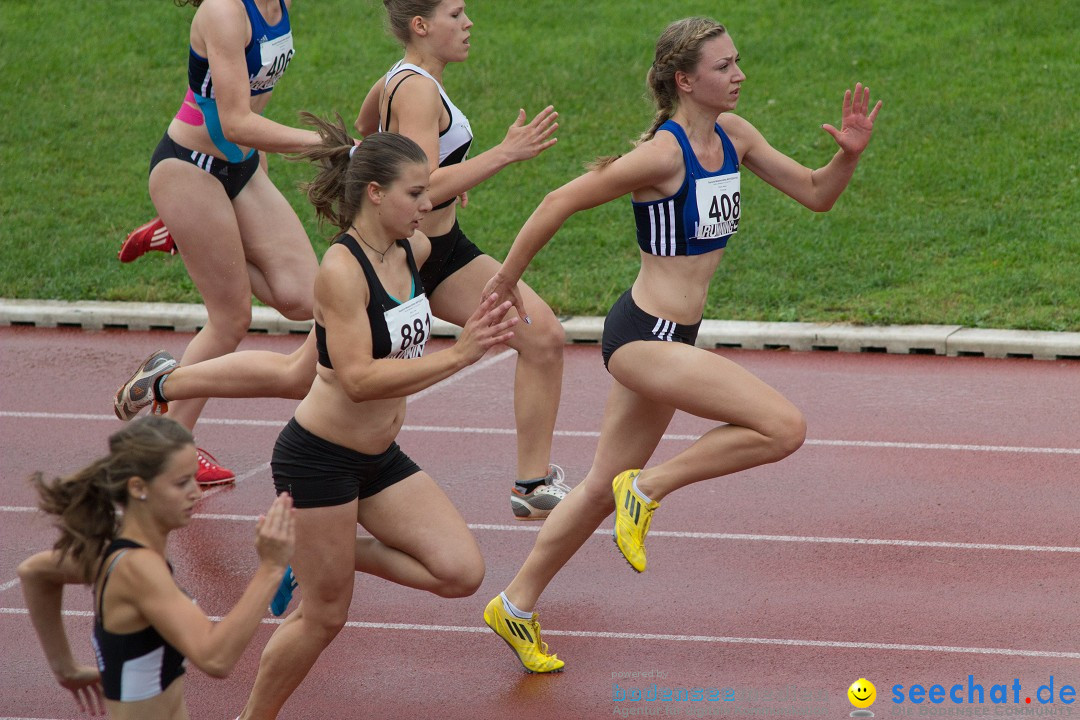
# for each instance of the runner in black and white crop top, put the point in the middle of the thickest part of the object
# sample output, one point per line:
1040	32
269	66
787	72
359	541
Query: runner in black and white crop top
133	666
702	214
398	329
455	140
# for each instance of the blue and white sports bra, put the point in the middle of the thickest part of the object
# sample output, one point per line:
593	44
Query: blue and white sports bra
267	54
702	214
455	140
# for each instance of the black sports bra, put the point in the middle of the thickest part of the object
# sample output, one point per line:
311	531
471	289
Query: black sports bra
133	666
398	329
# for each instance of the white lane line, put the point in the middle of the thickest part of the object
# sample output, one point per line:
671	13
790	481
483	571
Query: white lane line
461	375
588	433
687	535
599	634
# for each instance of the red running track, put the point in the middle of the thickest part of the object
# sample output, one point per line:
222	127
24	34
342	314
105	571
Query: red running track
924	533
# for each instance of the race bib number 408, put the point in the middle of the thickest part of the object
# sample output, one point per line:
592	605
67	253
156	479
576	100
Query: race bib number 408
718	205
409	325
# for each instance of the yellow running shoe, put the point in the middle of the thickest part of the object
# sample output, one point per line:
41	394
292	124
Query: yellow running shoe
523	637
632	518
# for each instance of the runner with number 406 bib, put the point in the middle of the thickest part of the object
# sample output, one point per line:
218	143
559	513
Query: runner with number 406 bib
236	233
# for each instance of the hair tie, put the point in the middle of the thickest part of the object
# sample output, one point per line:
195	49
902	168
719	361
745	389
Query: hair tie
352	151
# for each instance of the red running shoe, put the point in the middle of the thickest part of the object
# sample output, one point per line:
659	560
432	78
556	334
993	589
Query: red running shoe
210	473
151	236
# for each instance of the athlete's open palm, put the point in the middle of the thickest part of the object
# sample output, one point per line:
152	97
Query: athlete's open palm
275	532
856	123
527	140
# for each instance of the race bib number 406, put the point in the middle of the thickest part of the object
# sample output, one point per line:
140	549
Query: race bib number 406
409	325
718	204
275	55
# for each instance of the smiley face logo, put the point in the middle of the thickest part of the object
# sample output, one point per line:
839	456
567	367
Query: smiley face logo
862	693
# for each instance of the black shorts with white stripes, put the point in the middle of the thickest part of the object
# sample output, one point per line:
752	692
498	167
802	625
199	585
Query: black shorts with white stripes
626	322
232	176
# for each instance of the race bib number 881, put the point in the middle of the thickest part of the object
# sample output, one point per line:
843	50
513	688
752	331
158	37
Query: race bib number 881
410	326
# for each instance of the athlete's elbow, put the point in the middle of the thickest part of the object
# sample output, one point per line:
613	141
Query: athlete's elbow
35	567
361	388
233	128
559	202
217	668
821	205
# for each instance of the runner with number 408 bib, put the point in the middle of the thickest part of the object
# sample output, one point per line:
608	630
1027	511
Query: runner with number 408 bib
683	178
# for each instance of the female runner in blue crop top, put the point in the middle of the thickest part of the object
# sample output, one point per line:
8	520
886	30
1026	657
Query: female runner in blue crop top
410	99
683	177
145	625
237	234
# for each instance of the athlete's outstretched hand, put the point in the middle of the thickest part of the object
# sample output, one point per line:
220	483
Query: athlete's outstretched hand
275	532
488	326
84	682
504	289
856	124
524	141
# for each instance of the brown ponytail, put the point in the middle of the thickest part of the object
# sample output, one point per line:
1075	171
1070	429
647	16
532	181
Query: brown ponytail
337	192
84	504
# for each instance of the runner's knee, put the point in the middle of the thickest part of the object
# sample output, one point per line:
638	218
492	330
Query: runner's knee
231	326
786	433
294	303
460	576
324	616
543	340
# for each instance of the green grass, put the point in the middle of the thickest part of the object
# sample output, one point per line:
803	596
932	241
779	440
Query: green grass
965	209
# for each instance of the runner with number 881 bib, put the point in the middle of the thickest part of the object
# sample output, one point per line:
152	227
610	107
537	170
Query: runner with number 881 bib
338	457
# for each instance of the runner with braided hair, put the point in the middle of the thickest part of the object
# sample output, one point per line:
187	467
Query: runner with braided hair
683	178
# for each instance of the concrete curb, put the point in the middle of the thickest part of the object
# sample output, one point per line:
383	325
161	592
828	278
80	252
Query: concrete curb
952	340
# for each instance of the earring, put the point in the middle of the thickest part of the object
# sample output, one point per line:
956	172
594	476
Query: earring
142	497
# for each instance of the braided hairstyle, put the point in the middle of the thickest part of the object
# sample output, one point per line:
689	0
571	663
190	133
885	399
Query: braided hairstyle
677	50
84	504
337	192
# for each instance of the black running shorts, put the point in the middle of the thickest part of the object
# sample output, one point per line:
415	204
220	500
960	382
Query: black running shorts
449	253
626	322
319	473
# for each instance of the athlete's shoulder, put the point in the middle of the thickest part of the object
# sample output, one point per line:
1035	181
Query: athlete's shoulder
742	133
736	126
222	10
420	245
224	19
139	568
662	150
408	85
